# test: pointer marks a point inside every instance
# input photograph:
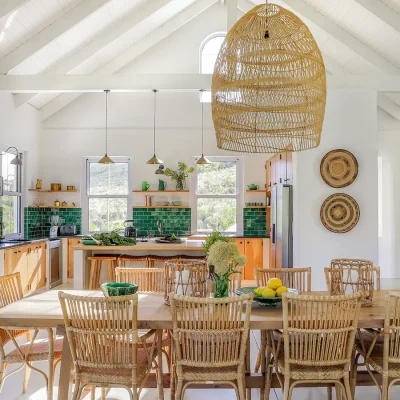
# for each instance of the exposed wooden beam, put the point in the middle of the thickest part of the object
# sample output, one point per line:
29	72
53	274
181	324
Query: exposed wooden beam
167	82
8	6
117	29
231	13
388	105
382	11
48	34
138	48
57	104
343	36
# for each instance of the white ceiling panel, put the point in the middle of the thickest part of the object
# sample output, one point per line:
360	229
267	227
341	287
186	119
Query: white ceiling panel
393	4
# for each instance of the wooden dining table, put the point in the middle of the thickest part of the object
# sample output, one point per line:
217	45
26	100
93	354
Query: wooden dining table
44	311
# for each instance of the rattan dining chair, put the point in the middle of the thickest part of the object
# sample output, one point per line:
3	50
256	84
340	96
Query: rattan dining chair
33	349
376	274
381	349
235	280
317	342
210	338
295	278
104	342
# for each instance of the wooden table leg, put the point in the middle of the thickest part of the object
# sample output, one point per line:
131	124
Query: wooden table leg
265	356
248	365
65	369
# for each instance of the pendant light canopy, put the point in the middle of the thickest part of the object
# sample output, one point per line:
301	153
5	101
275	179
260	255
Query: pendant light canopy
106	159
269	84
154	159
202	160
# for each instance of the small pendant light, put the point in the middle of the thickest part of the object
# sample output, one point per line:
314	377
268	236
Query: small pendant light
154	159
160	170
202	159
106	159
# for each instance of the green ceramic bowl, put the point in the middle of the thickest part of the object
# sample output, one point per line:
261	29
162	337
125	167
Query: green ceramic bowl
118	289
261	300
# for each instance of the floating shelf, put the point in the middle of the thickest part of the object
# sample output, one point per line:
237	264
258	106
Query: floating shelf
54	207
160	207
257	207
160	191
52	191
257	190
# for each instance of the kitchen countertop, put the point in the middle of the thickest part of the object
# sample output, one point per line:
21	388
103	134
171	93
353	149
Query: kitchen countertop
203	237
24	242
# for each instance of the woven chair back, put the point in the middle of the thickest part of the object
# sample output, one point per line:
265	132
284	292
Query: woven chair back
235	280
149	280
295	278
376	271
319	330
391	351
210	332
102	332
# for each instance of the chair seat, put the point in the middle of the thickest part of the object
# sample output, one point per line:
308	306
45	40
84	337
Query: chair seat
210	374
122	376
112	257
38	352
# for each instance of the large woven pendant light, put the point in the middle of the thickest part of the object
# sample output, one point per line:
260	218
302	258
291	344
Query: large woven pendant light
269	85
106	159
154	159
202	160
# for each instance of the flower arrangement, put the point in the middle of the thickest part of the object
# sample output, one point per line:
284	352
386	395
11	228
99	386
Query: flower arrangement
225	257
179	175
213	238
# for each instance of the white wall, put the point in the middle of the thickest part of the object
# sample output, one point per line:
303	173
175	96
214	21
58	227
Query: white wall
351	124
20	127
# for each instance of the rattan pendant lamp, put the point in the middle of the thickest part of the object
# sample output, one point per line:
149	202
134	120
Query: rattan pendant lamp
202	160
106	159
154	159
269	84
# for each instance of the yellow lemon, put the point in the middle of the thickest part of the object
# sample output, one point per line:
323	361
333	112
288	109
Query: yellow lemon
258	292
274	283
268	293
281	290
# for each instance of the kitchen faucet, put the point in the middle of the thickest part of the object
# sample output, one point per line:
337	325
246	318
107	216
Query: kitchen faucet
159	225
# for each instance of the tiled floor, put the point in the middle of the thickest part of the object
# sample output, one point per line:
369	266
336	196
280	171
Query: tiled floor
12	389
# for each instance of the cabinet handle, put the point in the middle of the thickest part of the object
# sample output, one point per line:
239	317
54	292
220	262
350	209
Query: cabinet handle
248	242
240	242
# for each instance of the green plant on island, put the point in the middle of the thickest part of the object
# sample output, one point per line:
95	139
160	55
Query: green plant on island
113	239
180	175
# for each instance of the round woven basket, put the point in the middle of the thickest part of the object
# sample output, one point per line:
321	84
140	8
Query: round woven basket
268	86
339	168
340	213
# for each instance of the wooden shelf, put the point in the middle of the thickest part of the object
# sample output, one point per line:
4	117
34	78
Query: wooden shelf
257	207
52	191
257	191
160	207
54	207
160	191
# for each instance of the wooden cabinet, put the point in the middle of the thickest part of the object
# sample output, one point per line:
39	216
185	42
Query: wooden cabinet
240	244
71	243
253	250
279	170
30	262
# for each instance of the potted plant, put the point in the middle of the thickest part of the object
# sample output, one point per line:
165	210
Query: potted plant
180	175
225	257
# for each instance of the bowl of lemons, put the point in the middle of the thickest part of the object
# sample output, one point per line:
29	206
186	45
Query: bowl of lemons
269	295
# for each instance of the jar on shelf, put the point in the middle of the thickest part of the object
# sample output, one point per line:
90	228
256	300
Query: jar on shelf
56	203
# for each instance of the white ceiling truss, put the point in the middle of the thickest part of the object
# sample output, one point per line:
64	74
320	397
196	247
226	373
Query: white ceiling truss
81	39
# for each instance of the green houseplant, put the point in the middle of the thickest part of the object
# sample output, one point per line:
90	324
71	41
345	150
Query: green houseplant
213	238
180	175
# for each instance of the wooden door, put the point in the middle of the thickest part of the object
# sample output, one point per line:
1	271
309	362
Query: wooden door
240	245
254	256
268	178
33	267
273	171
16	261
71	243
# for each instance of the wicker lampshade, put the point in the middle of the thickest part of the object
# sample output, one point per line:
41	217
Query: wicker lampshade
269	85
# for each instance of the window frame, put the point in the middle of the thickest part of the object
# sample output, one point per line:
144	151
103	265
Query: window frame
239	195
85	196
18	194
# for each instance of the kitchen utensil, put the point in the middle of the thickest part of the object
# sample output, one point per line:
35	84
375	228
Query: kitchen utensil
262	301
55	186
145	185
150	200
177	203
53	231
162	184
73	204
64	204
130	229
252	186
67	230
70	187
38	183
54	220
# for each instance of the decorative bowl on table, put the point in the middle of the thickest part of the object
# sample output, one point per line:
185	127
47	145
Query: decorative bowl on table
118	289
264	301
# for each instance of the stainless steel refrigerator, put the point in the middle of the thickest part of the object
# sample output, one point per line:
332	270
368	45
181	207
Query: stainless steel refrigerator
281	227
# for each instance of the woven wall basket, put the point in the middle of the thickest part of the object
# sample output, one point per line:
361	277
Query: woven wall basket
268	93
339	168
340	213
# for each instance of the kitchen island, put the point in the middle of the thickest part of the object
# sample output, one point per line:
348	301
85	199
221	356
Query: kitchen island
82	252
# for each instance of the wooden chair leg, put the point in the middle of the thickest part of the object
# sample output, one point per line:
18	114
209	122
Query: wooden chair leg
98	273
3	368
338	391
27	374
286	388
93	266
110	266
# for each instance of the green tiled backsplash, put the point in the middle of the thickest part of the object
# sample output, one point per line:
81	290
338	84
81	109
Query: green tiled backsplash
255	222
174	220
37	220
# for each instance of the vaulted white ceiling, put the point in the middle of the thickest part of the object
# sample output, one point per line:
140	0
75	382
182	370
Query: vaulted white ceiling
101	36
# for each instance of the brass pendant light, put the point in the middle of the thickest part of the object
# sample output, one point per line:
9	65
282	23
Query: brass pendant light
202	160
269	84
154	159
106	159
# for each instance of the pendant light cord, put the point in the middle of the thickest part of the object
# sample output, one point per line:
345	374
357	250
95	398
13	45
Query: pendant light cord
154	122
202	126
106	91
266	34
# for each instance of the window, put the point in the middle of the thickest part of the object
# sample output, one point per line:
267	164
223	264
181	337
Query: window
107	200
217	198
11	201
209	50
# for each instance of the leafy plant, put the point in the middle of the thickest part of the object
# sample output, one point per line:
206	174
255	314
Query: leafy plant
213	238
179	175
114	238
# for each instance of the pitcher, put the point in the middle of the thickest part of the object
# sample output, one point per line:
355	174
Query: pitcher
162	184
145	186
38	183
